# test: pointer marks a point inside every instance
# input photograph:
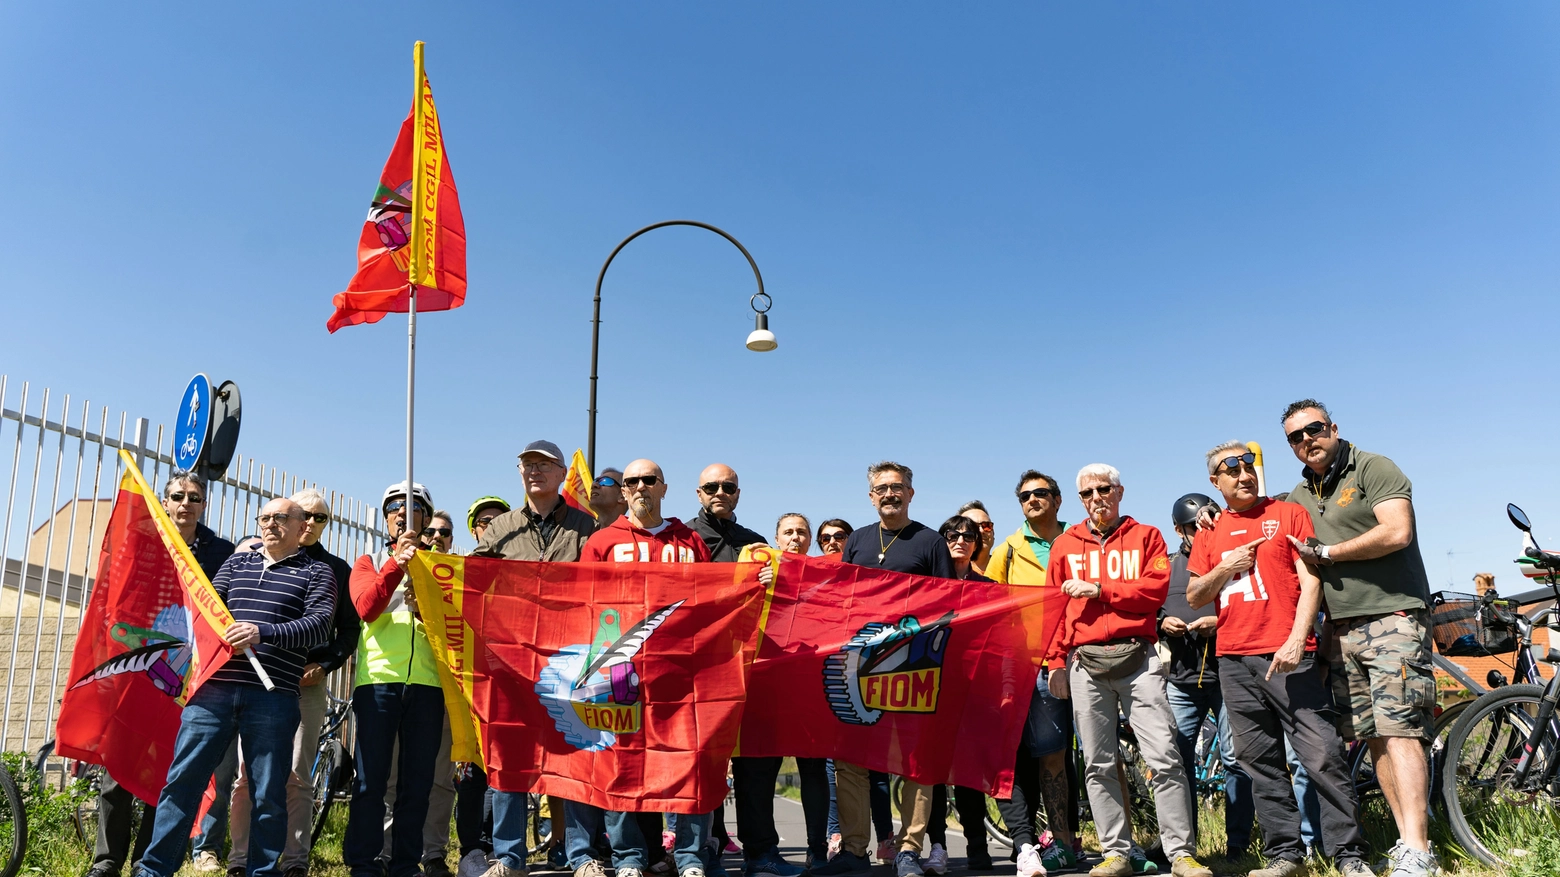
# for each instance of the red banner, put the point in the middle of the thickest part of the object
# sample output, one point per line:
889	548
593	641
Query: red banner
145	645
919	677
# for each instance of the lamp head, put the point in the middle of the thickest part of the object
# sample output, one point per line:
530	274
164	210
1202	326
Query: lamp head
761	340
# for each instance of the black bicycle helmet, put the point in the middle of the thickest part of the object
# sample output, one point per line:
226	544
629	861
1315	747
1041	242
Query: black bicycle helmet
1185	510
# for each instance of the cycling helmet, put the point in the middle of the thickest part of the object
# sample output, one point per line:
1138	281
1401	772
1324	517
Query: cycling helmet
483	503
419	493
1185	510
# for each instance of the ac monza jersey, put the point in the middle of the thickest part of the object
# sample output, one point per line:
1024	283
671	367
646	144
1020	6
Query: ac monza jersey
1256	607
622	542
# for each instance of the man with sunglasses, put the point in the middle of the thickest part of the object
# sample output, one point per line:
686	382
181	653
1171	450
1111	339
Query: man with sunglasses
1041	767
546	528
282	602
606	496
1374	586
440	532
753	779
975	510
1272	683
1115	573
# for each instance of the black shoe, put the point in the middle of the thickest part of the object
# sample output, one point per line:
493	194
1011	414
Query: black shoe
846	862
102	869
977	860
437	868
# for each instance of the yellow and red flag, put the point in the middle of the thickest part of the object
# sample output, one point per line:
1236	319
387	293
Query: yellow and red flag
577	484
414	234
151	636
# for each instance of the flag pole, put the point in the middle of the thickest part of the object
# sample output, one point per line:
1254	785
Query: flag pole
418	190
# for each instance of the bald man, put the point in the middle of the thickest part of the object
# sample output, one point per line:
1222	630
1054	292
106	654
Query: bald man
716	522
283	602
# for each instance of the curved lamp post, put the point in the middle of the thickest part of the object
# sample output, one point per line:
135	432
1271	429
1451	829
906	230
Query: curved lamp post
760	339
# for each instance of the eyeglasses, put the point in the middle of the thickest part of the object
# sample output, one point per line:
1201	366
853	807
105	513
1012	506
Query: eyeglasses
1104	490
1312	430
1232	464
278	517
835	536
714	487
606	481
1038	492
181	497
316	517
396	505
962	536
886	489
634	482
446	532
484	521
536	465
985	526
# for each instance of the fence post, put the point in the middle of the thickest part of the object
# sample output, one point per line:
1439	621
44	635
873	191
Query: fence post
142	428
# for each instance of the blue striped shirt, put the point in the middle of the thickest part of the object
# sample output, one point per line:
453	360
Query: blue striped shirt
292	601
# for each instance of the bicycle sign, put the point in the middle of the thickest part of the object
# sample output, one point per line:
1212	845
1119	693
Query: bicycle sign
192	426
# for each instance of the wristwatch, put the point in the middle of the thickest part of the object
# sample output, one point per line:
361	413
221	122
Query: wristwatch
1322	553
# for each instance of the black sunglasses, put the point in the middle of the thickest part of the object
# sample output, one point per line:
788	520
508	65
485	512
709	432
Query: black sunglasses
1232	464
714	487
962	536
646	480
1312	429
438	531
1041	492
396	505
1102	491
606	481
832	537
316	517
192	497
485	520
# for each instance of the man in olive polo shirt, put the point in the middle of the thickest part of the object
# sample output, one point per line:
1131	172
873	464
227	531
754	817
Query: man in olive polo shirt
1374	586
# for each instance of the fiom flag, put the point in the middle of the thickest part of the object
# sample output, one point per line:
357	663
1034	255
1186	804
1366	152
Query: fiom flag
577	484
414	233
920	677
151	636
617	685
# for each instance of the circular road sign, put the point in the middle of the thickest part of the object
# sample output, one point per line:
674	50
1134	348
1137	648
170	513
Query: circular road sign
192	426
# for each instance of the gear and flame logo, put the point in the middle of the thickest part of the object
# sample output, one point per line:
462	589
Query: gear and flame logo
592	691
887	668
162	652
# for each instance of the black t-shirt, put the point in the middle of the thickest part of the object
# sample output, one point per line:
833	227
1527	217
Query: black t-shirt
915	549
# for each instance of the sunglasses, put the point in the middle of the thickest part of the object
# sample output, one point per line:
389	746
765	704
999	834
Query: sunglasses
1232	464
1310	430
714	487
606	481
438	531
1087	492
278	517
192	497
396	505
316	517
1040	492
963	536
647	480
832	537
484	521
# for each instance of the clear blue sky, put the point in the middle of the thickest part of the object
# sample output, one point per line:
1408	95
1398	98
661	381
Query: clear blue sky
997	236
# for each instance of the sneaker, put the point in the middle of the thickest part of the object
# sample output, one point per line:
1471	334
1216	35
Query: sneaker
908	864
1279	868
731	847
1355	868
1029	864
437	868
102	869
846	862
770	862
1186	866
1056	857
668	840
692	872
977	860
237	871
835	844
476	863
591	868
936	860
1141	863
1414	863
630	871
207	862
1387	862
1115	865
499	869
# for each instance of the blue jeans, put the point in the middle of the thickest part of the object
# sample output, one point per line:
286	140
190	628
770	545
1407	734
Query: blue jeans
386	712
628	842
265	722
509	812
834	805
214	825
583	826
1190	705
1307	798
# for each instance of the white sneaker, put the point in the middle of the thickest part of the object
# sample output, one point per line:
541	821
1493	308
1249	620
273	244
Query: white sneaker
499	869
473	864
630	872
692	872
207	862
936	860
1029	862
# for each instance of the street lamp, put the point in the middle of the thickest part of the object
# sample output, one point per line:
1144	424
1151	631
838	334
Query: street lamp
759	340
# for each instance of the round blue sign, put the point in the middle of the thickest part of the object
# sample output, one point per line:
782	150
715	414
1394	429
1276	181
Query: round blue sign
192	427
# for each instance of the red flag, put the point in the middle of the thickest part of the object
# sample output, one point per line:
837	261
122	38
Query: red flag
414	233
136	661
919	677
618	685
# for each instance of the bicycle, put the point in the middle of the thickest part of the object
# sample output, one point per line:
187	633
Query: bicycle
13	825
332	771
1502	770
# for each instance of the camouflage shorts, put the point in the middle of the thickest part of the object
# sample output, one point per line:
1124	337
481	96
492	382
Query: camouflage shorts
1382	677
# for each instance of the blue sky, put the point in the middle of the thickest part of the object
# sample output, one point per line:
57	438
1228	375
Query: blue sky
997	237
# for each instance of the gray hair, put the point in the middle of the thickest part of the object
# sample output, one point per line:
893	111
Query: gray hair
781	520
1099	470
309	494
1213	455
441	513
183	476
877	469
974	504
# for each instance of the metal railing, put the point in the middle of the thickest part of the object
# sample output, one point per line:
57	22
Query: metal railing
49	445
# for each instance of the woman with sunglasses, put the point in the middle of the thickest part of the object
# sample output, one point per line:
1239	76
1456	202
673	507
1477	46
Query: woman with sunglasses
832	535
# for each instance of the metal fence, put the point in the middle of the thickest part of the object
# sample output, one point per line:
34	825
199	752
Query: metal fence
59	473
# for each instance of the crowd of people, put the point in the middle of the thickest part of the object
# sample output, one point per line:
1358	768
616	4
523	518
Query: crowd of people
1298	621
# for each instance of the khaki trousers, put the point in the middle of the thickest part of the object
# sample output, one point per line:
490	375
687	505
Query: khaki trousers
915	810
854	804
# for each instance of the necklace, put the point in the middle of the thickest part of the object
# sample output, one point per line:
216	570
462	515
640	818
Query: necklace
890	542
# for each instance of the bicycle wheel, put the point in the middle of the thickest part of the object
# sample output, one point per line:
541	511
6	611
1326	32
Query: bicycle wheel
13	825
1140	797
1443	729
328	766
996	829
86	820
1488	809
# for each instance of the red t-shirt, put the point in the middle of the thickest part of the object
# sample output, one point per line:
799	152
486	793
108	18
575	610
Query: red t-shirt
622	542
1256	607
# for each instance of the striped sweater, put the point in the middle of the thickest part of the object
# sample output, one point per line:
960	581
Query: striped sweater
293	603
